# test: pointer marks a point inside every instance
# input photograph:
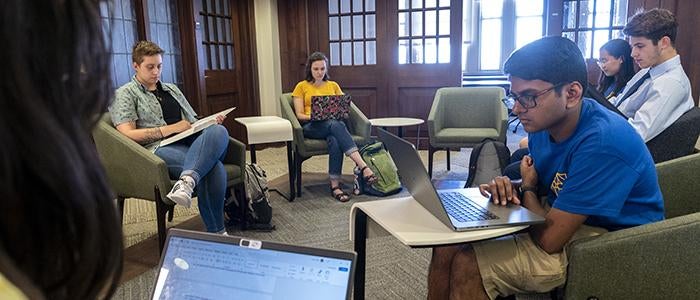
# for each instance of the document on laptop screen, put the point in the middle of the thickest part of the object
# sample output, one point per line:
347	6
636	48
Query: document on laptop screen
197	269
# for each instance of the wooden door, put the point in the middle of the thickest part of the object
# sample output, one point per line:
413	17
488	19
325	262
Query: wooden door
390	72
223	46
425	39
350	35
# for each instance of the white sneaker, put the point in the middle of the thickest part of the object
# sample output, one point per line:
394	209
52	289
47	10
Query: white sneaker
182	191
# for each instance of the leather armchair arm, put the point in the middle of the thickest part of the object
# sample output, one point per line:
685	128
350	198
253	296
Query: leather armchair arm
657	260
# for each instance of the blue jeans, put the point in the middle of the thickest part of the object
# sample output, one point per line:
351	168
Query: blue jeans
201	156
339	141
513	169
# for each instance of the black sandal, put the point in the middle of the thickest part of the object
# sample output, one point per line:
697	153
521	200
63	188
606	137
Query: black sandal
369	179
341	197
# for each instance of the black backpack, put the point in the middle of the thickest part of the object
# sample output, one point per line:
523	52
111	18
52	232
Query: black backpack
488	159
259	211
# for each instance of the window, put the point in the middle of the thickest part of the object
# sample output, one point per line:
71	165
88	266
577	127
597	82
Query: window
424	31
591	23
498	28
163	25
352	32
119	25
216	40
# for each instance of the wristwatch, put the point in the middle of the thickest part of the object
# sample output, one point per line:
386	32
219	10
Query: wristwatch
524	188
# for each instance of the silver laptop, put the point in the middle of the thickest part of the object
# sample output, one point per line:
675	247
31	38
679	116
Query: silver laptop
459	209
199	265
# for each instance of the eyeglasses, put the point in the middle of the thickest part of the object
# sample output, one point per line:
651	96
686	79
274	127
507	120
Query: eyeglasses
529	101
601	61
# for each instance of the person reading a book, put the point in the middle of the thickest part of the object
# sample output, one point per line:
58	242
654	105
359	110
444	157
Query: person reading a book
335	132
147	110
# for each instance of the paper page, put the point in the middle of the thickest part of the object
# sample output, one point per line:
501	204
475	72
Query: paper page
196	127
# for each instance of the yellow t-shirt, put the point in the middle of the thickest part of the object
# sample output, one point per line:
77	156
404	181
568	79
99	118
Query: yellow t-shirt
9	291
306	90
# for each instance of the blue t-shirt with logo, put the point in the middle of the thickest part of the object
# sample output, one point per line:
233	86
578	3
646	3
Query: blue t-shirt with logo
603	170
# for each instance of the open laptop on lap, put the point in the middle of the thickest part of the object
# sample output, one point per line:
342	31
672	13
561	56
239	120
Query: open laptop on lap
459	209
336	107
199	265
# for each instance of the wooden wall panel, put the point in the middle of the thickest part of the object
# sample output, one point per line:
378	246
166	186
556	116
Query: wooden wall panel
294	41
364	98
687	42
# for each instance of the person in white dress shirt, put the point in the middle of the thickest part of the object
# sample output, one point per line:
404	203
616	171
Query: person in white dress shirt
660	92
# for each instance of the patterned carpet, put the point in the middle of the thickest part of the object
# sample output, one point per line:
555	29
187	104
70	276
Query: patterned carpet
394	271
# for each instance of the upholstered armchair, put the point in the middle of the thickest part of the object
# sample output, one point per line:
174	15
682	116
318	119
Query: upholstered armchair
304	148
465	116
658	260
678	139
135	172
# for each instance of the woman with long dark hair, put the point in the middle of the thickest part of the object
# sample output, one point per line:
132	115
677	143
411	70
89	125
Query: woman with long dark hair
335	132
617	65
60	236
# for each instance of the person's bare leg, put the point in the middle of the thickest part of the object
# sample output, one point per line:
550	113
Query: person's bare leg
357	158
439	272
465	278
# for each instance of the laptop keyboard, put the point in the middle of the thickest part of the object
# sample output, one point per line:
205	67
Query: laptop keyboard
463	209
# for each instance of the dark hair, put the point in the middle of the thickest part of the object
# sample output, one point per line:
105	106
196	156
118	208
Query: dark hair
316	56
59	224
619	49
553	59
144	48
653	24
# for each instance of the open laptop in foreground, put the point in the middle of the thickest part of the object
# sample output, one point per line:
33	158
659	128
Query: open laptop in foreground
459	209
199	265
336	107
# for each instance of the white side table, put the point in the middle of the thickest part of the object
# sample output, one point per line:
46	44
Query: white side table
270	129
400	123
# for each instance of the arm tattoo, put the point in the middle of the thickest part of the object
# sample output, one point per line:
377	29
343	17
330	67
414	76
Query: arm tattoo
152	135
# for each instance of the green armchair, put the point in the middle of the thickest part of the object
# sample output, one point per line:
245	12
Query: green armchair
358	125
135	172
653	261
463	117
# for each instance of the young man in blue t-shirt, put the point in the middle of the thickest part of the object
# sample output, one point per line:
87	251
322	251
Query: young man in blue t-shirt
594	169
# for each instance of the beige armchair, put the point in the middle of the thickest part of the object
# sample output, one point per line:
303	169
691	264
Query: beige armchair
465	116
304	148
135	172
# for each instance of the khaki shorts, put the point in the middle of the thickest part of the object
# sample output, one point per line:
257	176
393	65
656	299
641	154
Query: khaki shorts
514	264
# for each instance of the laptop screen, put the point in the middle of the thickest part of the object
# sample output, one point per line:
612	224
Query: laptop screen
202	269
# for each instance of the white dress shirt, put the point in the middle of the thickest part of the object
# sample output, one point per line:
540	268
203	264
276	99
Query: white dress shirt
659	101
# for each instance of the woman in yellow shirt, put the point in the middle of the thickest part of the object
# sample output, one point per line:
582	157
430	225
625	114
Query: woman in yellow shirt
334	132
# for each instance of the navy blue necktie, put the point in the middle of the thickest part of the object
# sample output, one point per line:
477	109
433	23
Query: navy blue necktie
633	89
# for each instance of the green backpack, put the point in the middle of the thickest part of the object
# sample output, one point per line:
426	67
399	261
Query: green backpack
379	160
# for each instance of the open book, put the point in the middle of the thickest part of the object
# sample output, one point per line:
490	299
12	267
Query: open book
196	127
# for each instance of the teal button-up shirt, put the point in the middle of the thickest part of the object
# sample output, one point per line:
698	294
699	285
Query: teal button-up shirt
134	103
